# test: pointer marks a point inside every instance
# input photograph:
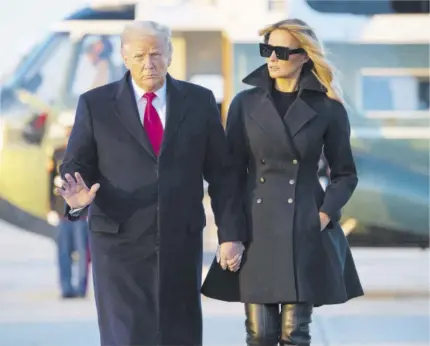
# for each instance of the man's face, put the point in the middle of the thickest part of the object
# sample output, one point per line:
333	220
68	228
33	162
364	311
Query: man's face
94	51
147	58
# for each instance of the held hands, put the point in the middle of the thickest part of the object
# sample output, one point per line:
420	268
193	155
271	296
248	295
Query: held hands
324	221
75	192
229	255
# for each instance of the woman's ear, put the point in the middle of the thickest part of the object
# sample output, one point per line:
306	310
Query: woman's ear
306	59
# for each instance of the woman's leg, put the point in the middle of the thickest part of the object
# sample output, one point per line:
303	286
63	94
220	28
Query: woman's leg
295	321
262	324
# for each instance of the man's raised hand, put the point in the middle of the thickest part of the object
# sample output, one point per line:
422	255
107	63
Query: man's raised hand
75	192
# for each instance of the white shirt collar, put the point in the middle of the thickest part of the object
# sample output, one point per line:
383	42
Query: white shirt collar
139	92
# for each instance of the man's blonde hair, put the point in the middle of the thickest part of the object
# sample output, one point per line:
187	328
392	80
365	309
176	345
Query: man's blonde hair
147	28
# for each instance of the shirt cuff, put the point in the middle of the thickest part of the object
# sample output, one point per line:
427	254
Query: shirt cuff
76	211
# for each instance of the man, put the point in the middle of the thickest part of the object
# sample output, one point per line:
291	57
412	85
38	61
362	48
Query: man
71	236
138	152
99	53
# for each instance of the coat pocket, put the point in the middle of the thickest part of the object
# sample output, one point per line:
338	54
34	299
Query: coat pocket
336	248
195	228
102	224
197	222
316	217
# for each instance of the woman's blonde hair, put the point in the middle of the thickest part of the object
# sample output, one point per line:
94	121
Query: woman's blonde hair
322	69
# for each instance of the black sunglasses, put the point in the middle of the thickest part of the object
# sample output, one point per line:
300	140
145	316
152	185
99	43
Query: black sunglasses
282	53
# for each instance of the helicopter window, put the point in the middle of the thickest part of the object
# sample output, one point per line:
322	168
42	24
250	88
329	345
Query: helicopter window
396	90
126	12
99	63
42	78
366	7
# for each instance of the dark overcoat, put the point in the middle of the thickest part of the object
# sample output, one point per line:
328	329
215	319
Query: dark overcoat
288	257
147	218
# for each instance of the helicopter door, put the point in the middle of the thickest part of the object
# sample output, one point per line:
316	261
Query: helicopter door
98	63
23	176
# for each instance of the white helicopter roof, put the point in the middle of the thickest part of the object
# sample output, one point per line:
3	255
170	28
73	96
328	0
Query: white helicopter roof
227	16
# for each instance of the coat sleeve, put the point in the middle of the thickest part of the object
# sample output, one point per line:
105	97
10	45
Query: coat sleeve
343	173
81	152
237	142
220	174
54	173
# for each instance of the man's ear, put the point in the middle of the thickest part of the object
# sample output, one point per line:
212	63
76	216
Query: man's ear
170	50
169	59
124	58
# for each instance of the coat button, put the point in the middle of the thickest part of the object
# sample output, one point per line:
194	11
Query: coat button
263	161
291	181
259	200
290	200
295	162
262	180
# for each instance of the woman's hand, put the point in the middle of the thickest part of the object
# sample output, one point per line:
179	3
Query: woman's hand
324	221
229	255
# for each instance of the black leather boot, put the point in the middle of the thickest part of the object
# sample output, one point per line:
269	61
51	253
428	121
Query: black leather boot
262	324
295	321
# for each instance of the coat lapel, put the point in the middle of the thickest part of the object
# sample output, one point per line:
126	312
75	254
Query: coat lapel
298	115
175	107
127	112
267	117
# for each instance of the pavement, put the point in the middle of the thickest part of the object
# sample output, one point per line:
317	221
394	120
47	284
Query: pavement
394	312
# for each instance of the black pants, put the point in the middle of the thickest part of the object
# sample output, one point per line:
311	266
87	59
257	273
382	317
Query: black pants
270	324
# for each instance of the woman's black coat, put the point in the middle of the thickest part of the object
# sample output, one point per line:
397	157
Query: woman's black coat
289	259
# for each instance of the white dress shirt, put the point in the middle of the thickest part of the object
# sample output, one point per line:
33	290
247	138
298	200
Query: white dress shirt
159	102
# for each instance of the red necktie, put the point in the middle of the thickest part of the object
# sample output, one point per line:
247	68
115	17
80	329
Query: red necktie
152	123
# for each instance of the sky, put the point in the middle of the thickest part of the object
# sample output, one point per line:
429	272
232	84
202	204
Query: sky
21	27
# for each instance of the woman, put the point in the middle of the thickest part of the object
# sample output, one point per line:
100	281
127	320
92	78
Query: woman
297	256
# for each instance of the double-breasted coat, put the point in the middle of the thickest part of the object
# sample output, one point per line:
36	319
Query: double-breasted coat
288	258
147	218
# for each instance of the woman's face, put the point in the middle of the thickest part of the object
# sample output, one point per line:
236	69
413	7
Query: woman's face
285	68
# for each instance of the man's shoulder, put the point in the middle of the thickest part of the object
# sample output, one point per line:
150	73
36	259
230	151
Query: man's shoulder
101	92
192	89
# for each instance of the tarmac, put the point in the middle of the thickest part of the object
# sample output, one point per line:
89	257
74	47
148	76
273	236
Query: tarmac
394	311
